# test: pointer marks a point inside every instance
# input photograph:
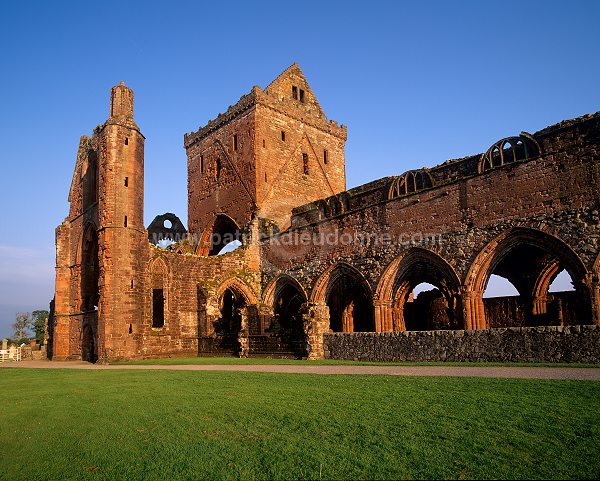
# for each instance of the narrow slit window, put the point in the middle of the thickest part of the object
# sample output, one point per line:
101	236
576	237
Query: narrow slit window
265	177
126	181
158	308
264	145
305	163
132	283
125	222
294	92
283	135
126	141
301	95
235	142
325	156
130	329
202	164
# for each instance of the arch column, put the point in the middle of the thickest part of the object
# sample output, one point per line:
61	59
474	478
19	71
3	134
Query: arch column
473	310
248	316
384	316
315	319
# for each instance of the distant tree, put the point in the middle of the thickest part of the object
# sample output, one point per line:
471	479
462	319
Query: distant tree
22	325
40	318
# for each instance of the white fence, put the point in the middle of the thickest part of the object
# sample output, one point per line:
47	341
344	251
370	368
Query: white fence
11	354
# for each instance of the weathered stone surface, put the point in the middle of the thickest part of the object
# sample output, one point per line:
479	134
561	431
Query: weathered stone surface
538	344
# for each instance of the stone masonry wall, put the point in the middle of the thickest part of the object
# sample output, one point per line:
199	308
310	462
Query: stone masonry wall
535	344
550	194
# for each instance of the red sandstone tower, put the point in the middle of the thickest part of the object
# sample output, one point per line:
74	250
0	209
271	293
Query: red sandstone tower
101	245
272	151
122	235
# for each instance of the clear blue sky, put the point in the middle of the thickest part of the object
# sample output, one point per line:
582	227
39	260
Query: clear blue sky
416	82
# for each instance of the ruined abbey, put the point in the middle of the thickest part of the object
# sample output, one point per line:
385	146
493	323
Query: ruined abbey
322	271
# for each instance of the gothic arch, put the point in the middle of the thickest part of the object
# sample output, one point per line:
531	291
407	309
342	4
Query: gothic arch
158	263
88	229
401	264
221	225
546	277
285	297
274	288
552	255
402	275
323	284
349	297
240	287
233	295
496	250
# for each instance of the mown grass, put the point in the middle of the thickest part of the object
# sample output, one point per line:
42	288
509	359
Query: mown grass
171	361
167	425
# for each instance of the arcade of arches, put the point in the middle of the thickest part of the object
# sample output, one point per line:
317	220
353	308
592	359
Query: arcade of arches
342	299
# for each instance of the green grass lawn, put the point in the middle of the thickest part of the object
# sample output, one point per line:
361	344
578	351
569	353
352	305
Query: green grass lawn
167	425
260	360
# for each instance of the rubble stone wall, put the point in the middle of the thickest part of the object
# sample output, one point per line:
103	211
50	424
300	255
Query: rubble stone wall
517	344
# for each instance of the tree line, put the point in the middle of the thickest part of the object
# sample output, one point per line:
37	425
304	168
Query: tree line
30	324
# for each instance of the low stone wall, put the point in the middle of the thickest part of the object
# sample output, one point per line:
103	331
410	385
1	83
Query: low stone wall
517	344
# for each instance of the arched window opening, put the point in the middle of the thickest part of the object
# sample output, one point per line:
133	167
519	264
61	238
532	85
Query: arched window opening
90	180
158	295
350	305
419	291
410	182
509	150
224	234
529	286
